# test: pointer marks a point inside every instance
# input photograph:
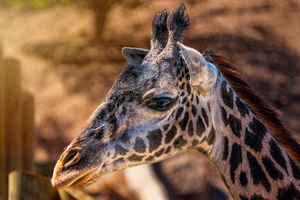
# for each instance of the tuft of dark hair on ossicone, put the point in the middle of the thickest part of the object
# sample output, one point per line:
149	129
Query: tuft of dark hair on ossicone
177	22
160	33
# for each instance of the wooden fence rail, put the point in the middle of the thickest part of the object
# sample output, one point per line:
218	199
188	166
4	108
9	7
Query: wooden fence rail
26	185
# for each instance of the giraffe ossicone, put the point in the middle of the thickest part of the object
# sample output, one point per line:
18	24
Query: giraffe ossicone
173	98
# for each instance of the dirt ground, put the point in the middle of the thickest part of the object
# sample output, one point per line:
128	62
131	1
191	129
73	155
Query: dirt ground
70	75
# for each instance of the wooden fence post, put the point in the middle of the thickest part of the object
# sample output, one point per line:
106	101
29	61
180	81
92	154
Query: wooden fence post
17	142
25	185
3	177
12	112
27	121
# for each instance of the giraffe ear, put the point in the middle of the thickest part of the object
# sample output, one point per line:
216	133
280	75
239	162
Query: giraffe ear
202	73
134	56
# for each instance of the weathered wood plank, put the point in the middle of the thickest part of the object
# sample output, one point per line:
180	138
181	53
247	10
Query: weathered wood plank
27	121
3	176
12	110
26	185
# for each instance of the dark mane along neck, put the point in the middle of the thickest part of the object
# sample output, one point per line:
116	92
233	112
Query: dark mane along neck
266	113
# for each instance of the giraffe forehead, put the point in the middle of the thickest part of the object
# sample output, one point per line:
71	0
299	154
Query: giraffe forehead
136	80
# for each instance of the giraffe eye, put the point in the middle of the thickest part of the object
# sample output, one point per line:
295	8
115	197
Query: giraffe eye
161	103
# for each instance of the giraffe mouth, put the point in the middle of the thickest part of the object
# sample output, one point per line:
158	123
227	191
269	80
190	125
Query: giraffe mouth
86	179
60	180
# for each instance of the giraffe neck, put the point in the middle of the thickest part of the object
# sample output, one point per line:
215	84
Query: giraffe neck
252	163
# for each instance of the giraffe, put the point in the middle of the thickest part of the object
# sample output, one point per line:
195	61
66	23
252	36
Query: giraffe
172	98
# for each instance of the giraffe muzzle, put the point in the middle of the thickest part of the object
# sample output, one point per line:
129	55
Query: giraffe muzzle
72	169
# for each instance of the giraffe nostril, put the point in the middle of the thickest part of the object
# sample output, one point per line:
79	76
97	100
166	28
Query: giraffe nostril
71	158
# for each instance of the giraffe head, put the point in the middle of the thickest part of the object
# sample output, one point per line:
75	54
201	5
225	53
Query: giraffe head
150	113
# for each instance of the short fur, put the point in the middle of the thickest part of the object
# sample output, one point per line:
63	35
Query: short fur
268	114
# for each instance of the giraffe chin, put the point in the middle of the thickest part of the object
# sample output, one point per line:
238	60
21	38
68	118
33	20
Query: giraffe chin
86	180
78	180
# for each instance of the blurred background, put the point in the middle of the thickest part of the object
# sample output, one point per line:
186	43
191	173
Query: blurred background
70	55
